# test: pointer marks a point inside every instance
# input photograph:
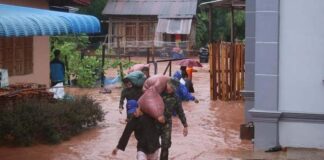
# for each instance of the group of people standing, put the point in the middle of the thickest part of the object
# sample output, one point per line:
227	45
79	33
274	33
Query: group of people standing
147	129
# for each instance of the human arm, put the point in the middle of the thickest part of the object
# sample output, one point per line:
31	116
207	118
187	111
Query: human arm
184	94
180	113
183	119
121	101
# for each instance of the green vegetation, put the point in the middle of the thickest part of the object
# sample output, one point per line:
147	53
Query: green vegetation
221	19
32	121
95	8
221	25
86	70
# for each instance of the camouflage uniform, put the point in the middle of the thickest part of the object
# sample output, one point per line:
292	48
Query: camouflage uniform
171	103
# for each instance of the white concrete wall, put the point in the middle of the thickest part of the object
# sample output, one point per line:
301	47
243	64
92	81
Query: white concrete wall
301	134
301	56
301	70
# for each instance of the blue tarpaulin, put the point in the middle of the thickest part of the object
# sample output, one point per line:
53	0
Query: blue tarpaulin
17	21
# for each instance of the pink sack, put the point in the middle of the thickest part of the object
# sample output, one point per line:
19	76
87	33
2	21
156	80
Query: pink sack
158	82
137	67
151	103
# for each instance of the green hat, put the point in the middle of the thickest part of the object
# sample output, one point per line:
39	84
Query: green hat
174	83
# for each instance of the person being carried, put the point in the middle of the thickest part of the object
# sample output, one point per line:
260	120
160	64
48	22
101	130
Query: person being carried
57	69
171	103
146	71
146	133
129	92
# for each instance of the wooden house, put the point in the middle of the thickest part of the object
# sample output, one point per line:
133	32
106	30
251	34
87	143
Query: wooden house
135	24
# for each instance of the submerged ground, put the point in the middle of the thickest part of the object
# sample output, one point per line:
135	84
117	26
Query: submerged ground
213	132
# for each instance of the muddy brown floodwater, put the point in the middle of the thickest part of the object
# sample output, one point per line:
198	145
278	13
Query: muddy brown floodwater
213	132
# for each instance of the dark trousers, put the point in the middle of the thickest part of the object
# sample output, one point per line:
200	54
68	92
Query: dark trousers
189	86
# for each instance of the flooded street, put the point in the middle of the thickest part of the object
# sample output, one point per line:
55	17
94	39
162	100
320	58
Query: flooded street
213	132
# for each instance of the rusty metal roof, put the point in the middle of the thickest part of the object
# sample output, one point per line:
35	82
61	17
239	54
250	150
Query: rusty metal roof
174	25
168	8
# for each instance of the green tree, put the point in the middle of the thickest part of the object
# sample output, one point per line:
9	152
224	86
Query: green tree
202	29
221	25
95	8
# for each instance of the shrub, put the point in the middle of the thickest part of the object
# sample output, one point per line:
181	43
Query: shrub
85	69
34	121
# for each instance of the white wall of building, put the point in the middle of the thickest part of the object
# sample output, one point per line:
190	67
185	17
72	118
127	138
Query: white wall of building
301	134
301	56
301	70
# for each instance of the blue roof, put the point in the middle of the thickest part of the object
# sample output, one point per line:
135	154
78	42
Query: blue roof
16	21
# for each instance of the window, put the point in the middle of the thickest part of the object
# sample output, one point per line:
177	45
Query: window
16	55
130	33
133	34
146	31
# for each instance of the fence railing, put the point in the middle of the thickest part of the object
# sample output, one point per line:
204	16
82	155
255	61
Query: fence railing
227	70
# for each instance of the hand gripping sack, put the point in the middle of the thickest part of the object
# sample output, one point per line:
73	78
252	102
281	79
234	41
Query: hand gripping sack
158	82
151	103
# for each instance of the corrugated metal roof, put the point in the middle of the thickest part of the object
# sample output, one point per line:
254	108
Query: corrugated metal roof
236	4
18	21
174	26
82	2
170	8
69	2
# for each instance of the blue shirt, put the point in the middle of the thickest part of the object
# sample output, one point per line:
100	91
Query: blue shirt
183	93
57	70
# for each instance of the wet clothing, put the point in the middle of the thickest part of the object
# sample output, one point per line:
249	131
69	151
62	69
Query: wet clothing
146	133
183	93
142	156
137	78
166	142
133	93
171	103
57	71
177	75
188	83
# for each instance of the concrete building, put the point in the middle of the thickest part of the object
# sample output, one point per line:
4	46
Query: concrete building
25	50
285	72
